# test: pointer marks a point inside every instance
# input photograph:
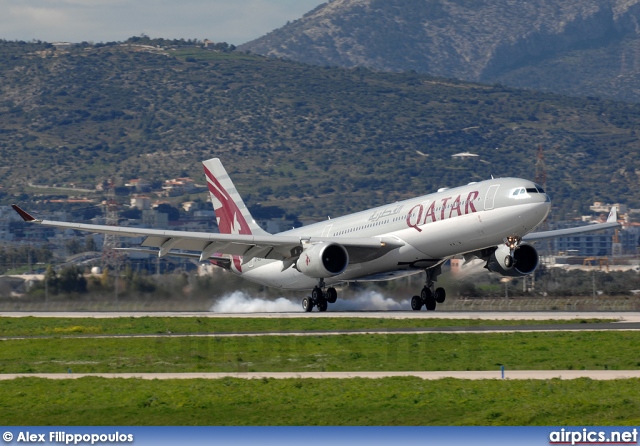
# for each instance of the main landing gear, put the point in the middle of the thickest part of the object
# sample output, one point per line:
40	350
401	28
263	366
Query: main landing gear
430	295
319	298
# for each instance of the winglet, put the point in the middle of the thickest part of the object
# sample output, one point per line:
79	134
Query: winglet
613	215
24	214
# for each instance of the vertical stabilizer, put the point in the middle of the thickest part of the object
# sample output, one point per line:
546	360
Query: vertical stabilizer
231	213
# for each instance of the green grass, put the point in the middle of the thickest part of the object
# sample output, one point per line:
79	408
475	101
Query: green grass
366	352
388	401
32	326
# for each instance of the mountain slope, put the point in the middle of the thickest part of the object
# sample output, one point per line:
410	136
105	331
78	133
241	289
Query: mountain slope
510	41
315	141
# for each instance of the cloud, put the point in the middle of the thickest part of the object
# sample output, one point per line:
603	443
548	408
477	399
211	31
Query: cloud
241	302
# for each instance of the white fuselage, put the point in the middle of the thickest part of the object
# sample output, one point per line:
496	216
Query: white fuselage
433	228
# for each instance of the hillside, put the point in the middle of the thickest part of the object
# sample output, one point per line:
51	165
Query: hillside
575	47
316	141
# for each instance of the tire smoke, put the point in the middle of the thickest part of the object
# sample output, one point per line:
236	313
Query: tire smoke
241	302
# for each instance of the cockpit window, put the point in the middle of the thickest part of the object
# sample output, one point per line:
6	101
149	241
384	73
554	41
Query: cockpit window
521	191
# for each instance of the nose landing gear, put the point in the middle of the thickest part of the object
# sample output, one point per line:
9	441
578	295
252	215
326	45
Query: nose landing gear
512	243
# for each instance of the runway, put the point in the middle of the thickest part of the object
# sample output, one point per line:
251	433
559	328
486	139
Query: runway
471	375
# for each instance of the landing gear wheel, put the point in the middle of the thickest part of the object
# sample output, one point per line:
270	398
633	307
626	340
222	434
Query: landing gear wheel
416	303
332	295
508	261
430	296
322	305
317	294
307	305
430	303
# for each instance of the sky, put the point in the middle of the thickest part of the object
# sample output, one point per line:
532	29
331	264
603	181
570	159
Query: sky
231	21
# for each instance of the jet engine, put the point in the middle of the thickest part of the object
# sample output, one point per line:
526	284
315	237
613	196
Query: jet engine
323	260
524	261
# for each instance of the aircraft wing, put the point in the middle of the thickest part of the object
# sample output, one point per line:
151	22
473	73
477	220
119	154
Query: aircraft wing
273	247
612	222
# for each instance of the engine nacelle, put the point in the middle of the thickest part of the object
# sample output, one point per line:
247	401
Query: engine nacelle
524	261
322	260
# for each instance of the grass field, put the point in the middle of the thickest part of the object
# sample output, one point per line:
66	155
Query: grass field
366	352
388	401
36	326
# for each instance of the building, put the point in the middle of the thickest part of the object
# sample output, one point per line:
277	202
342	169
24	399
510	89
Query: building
141	202
602	208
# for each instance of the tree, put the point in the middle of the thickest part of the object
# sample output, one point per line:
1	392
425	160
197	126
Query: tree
173	213
71	280
90	244
51	280
73	246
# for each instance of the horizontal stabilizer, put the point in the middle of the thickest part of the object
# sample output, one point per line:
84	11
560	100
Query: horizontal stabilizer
613	215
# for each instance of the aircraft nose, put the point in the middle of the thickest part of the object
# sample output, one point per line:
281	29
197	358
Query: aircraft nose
547	206
541	198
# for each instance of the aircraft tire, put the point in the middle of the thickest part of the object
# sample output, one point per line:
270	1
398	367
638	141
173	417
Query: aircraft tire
322	305
332	295
416	303
430	304
307	305
440	295
508	261
317	294
426	294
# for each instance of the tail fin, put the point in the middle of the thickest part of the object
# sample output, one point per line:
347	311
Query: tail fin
231	213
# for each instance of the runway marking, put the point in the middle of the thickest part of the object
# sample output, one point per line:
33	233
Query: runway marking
471	375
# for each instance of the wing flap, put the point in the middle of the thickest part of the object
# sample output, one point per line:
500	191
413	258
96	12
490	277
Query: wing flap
187	243
222	262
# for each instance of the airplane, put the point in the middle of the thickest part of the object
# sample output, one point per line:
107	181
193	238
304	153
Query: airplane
490	220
